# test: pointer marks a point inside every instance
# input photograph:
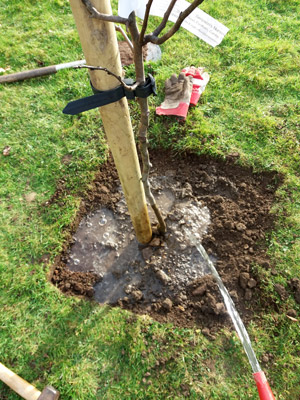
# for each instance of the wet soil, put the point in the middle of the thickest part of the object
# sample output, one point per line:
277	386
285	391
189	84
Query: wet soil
167	279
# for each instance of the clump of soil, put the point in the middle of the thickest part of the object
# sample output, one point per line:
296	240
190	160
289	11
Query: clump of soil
80	283
238	201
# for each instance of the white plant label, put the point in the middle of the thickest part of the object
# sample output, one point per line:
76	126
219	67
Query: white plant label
198	22
125	7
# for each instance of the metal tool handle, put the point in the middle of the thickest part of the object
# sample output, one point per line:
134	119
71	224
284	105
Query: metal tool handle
33	73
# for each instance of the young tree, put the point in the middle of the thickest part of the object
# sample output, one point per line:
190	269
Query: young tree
138	40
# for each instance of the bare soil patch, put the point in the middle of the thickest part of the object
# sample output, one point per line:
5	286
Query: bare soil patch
126	53
239	203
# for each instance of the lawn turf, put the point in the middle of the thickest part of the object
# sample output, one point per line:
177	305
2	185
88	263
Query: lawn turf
250	107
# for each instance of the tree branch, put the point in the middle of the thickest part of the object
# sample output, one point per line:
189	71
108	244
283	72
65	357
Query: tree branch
103	17
145	22
93	68
164	21
119	29
138	48
182	16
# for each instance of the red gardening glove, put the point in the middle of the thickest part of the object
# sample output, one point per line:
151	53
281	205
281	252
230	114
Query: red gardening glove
200	80
178	93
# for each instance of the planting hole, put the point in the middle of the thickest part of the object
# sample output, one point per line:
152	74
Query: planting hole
227	206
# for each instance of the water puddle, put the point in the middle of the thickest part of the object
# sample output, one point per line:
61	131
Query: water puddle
129	272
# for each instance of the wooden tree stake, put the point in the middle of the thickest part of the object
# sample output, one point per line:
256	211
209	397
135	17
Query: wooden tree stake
100	48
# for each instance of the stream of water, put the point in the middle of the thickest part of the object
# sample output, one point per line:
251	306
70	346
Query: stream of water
235	317
193	224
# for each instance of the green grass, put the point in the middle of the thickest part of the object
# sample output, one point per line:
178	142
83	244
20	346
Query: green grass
251	106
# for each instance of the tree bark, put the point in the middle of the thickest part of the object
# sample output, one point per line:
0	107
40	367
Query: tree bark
144	120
